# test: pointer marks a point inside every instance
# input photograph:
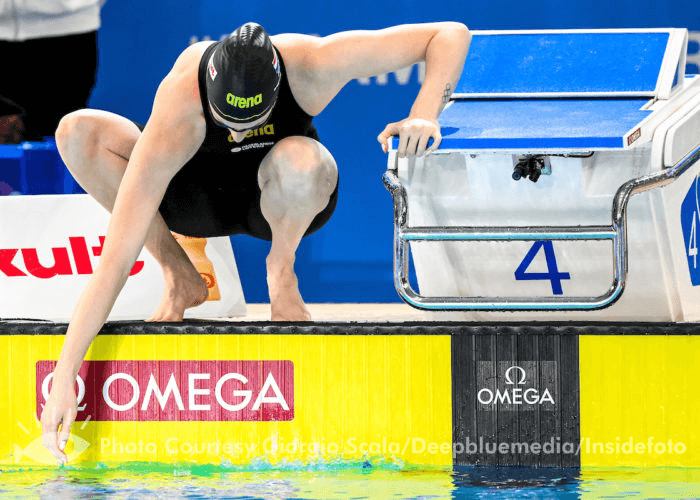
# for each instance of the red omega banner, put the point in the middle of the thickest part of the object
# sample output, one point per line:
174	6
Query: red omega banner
197	391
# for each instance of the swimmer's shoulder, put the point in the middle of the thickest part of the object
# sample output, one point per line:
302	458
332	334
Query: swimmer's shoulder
183	77
188	60
178	97
297	50
305	75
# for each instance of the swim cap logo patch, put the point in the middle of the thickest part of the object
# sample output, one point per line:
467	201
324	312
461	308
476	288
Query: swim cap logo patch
242	102
212	69
276	63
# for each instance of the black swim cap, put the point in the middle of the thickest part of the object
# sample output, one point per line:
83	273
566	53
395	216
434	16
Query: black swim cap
243	75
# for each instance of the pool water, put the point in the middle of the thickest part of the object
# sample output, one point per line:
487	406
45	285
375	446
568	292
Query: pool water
357	481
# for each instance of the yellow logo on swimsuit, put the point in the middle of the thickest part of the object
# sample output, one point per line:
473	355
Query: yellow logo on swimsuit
243	102
266	130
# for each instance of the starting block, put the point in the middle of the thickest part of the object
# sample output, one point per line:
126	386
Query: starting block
567	175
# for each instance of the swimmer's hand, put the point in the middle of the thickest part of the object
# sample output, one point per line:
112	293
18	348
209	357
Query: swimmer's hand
414	134
61	408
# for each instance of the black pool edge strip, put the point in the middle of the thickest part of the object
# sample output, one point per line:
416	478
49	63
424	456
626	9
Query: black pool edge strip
201	327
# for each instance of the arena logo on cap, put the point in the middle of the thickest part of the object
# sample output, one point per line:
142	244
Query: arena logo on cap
243	102
202	391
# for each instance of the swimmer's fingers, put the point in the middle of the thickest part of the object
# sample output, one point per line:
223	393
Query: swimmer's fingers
389	131
64	435
437	139
404	140
423	143
49	431
413	144
61	408
50	435
414	136
418	132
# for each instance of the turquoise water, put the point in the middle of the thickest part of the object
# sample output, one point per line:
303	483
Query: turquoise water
356	481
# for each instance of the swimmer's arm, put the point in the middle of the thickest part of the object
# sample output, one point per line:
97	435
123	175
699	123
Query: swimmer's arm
345	56
170	138
342	57
165	145
444	61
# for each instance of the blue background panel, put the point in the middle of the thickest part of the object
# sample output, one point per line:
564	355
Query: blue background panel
539	123
563	62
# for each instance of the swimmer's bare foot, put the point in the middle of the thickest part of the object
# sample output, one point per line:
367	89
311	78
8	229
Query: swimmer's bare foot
183	289
286	303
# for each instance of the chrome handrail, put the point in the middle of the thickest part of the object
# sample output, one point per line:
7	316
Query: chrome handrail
617	232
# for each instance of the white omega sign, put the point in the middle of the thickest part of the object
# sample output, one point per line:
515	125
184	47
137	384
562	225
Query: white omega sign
173	390
81	389
515	376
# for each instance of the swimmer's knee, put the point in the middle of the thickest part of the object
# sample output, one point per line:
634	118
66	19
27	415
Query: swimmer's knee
77	127
300	160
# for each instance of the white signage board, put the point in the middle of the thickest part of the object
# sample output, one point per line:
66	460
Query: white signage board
51	244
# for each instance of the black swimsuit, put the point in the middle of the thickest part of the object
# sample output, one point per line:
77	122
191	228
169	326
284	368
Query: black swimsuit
216	193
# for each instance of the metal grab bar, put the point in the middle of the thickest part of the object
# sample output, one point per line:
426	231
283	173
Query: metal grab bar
617	232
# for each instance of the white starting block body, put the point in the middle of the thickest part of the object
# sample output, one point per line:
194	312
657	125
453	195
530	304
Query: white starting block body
609	230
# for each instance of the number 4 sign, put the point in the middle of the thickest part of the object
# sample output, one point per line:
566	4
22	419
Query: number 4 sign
690	219
552	274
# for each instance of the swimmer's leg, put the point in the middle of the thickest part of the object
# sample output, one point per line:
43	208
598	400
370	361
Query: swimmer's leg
297	178
96	146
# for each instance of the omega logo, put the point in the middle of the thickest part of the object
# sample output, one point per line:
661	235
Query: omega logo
515	376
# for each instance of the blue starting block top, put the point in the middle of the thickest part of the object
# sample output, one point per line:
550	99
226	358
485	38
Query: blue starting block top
540	123
575	90
536	124
555	63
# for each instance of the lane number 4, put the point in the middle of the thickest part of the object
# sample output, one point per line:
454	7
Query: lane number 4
552	274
